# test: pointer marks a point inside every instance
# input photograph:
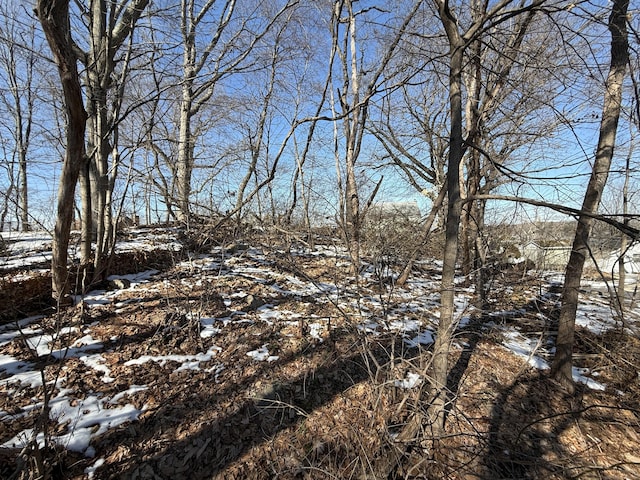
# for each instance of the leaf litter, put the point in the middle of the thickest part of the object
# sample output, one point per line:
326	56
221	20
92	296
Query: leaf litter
257	363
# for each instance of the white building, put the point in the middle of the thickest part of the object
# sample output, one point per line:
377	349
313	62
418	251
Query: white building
546	257
631	260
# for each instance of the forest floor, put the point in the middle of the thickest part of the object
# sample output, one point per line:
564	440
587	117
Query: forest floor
256	361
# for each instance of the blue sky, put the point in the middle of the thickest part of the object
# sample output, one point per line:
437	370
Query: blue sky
566	155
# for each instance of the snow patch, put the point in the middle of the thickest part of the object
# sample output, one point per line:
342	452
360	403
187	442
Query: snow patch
84	419
423	338
262	354
188	362
526	348
97	363
411	380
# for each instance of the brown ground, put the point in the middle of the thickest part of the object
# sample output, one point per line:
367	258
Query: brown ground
326	409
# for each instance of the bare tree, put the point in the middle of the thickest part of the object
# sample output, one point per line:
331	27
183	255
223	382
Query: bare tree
459	40
502	115
205	63
157	91
446	325
257	135
9	187
358	87
109	25
626	202
302	151
503	112
18	57
54	17
562	367
411	128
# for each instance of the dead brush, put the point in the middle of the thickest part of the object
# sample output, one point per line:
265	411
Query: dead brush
394	402
185	306
615	356
35	462
40	457
180	331
340	440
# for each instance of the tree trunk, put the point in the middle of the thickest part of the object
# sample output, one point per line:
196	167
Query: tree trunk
480	256
109	26
54	17
6	197
353	124
24	194
562	368
623	237
352	216
470	230
23	135
99	73
446	325
185	153
86	215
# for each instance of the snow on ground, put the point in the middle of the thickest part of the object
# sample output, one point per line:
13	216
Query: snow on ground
187	362
21	243
598	317
25	250
86	418
262	354
98	363
412	380
21	373
411	313
144	240
593	314
7	334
